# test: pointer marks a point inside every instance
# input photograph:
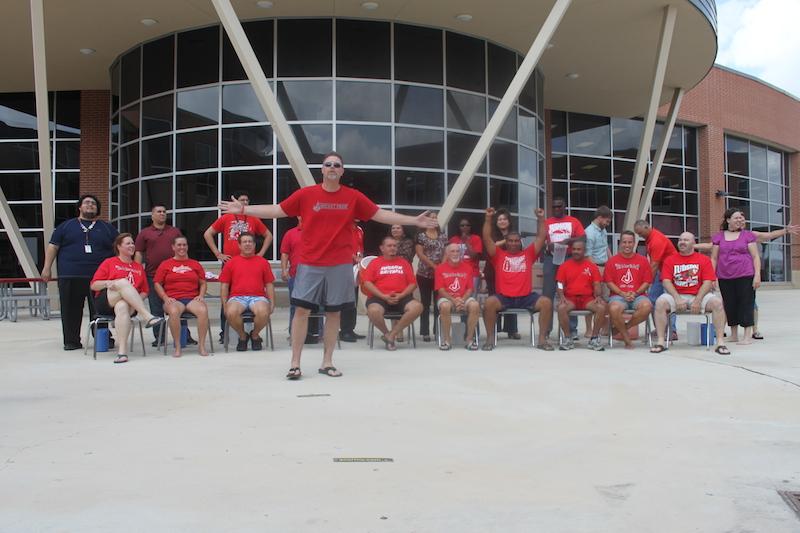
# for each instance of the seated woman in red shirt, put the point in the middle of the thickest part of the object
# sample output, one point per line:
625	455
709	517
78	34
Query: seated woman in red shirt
120	287
180	282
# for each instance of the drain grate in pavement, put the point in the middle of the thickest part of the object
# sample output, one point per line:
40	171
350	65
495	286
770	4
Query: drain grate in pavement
792	499
363	460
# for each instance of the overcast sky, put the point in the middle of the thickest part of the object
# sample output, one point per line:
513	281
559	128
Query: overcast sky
761	38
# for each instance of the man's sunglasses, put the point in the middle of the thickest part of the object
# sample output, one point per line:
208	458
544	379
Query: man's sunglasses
332	164
465	225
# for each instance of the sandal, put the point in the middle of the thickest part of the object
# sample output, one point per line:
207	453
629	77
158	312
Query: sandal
294	373
444	346
390	345
156	320
758	336
547	347
488	347
121	359
472	346
330	371
658	348
722	350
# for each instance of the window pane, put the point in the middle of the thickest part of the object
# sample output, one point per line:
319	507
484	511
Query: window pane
247	146
558	131
27	215
588	195
669	225
503	193
17	116
364	145
196	190
466	112
417	54
375	184
196	149
129	198
68	185
502	64
315	141
692	204
739	186
129	225
418	188
19	156
157	156
157	115
64	212
362	49
18	187
589	134
304	47
509	129
623	172
775	194
689	146
197	108
419	148
774	167
158	67
527	97
528	201
115	86
68	154
527	128
474	196
674	155
260	34
306	100
287	184
759	212
257	184
667	202
560	190
670	178
68	114
363	101
130	123
690	179
465	63
129	162
131	63
737	154
621	197
503	159
114	131
459	148
239	104
528	166
627	136
590	169
198	57
758	190
154	191
418	105
758	161
193	225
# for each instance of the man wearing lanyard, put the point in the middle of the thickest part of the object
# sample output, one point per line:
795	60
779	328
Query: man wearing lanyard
597	250
154	245
231	226
80	245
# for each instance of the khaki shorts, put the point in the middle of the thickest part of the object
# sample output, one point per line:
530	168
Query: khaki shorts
688	298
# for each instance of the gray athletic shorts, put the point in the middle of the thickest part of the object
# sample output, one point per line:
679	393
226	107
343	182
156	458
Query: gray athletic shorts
330	287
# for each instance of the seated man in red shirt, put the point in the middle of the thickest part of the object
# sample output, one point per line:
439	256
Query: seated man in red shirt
628	277
688	277
390	282
453	286
246	285
514	280
579	288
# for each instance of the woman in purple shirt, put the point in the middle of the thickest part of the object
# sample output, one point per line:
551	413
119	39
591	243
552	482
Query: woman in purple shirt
734	254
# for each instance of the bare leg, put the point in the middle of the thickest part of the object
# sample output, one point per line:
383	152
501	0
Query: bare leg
122	327
332	321
490	310
260	318
564	307
599	317
444	315
589	326
718	316
473	313
174	311
748	336
734	333
411	311
200	310
661	316
375	313
615	310
544	306
126	291
233	314
640	313
299	331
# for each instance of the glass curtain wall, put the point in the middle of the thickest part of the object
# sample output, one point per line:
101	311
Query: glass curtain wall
19	167
757	178
403	104
593	162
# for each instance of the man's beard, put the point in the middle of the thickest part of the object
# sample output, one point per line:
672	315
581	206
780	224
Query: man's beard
89	216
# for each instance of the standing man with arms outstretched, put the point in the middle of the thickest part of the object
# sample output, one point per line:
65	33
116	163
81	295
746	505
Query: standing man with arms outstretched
325	275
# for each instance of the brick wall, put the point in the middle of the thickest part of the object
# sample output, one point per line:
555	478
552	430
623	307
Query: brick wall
95	124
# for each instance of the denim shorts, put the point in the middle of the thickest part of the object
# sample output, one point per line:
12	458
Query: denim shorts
248	301
629	306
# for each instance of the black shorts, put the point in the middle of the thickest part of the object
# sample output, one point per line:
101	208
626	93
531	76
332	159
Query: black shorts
398	308
101	305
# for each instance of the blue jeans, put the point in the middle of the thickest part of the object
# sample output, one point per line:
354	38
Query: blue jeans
656	290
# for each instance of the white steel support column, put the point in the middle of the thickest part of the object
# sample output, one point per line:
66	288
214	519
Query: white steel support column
503	109
240	42
662	57
655	170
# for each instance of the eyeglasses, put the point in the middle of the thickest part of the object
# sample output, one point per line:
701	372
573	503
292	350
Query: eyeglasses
465	225
332	164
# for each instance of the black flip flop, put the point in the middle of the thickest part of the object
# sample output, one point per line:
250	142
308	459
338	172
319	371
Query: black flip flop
294	373
758	336
327	372
722	350
658	348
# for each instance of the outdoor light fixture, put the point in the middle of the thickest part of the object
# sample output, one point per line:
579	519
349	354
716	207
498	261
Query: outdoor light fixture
464	17
149	22
370	5
572	76
265	4
87	51
721	194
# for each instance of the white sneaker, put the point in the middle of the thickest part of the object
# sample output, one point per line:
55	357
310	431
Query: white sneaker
596	345
566	345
